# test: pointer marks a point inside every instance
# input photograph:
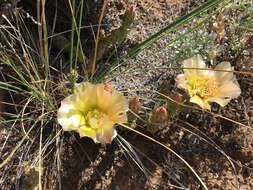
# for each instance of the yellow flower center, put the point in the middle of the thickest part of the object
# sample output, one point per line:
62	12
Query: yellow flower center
203	87
96	119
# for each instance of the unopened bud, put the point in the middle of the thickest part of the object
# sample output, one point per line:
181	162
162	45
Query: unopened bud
160	115
176	97
108	87
173	107
135	104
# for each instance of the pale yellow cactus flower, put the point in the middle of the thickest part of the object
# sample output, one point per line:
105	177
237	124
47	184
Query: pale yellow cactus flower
92	111
206	86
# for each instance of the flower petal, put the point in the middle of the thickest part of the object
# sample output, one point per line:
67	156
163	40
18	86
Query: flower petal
82	96
120	118
86	131
107	133
181	81
194	62
229	89
221	101
104	98
223	76
107	136
68	116
118	106
197	100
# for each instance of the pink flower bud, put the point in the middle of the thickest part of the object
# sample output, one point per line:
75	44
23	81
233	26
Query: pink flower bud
135	104
178	98
108	87
160	115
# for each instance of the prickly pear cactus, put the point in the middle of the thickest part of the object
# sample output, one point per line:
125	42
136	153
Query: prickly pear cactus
117	35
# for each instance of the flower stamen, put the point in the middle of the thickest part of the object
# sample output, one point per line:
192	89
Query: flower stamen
203	87
96	119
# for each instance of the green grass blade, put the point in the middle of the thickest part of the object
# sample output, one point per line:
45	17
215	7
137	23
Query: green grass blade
9	87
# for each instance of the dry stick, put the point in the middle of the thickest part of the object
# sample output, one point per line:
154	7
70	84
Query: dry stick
40	151
22	116
58	157
97	38
193	68
169	149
